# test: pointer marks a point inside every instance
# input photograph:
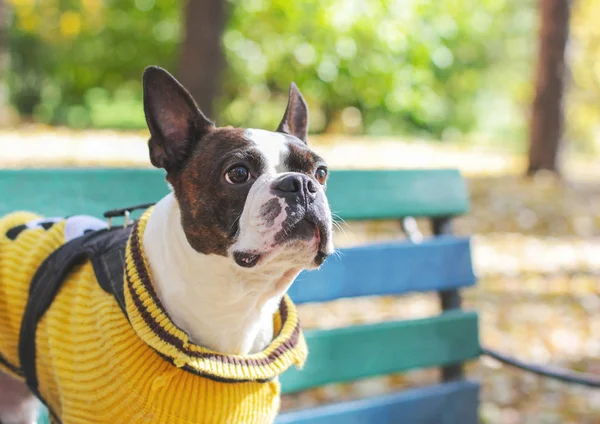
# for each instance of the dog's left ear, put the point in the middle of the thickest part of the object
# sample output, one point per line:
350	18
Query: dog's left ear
173	118
295	119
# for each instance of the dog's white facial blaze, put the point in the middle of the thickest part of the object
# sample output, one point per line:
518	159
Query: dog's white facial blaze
256	234
272	146
264	213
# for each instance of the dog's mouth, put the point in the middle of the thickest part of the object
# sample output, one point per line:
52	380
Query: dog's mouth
246	259
318	230
306	231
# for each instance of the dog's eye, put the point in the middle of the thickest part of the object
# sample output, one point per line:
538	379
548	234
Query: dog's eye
321	174
237	175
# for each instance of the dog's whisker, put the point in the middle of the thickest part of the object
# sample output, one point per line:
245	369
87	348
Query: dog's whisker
337	253
337	217
338	227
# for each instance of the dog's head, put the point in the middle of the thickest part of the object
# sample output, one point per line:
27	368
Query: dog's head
251	195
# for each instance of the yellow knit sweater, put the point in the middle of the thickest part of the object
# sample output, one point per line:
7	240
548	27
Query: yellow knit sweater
95	365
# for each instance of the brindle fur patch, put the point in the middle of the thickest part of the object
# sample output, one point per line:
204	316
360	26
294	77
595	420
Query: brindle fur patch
211	207
301	158
270	210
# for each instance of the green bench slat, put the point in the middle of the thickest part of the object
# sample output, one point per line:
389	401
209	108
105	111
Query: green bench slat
450	403
64	192
360	195
351	353
441	263
353	195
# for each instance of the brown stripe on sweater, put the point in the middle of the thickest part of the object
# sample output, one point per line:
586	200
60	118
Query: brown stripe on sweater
140	266
167	337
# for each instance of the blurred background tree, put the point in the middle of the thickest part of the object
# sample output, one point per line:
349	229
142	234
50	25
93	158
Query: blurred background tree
201	60
547	119
446	70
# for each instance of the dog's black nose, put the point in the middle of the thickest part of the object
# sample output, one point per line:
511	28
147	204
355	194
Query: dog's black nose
295	185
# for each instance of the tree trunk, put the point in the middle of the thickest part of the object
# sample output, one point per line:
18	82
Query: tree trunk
202	58
547	110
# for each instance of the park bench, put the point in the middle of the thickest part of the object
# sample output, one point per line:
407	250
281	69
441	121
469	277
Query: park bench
440	264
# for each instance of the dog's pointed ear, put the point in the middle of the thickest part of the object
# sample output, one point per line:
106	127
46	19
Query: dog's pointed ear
173	118
295	119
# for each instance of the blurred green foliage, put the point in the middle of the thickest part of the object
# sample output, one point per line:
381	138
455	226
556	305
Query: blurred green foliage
583	100
79	62
436	69
394	66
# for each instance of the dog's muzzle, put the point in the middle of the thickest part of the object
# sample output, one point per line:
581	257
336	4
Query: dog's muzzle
308	215
297	216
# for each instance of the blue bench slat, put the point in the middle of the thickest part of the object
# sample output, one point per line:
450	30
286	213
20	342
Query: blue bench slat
441	263
450	403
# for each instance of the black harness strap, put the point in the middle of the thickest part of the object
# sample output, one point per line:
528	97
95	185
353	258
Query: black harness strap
106	251
109	263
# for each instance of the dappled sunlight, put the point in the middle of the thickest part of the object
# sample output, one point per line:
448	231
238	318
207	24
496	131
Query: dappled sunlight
537	296
536	252
393	84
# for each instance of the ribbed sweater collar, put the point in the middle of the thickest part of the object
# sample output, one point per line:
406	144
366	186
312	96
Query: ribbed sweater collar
152	324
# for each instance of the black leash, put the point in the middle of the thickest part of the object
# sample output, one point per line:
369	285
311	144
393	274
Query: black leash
125	212
551	372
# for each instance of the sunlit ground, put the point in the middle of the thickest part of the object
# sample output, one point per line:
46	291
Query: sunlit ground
536	252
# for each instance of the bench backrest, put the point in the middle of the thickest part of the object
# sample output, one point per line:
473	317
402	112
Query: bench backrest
441	264
354	195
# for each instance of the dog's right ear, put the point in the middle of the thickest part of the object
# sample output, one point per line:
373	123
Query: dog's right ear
173	118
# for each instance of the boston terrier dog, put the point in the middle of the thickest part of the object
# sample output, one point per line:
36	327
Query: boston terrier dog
246	213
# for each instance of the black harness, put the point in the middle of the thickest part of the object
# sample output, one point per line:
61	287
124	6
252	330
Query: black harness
105	249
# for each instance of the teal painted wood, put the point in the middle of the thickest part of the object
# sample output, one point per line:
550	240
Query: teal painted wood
63	192
353	195
43	417
351	353
450	403
441	263
387	194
